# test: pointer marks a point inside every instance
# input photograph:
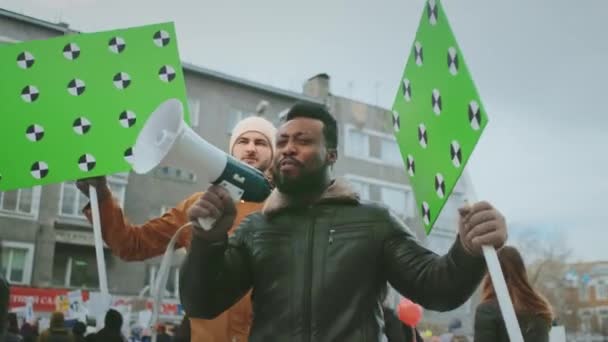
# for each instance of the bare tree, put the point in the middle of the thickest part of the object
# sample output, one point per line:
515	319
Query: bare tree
547	264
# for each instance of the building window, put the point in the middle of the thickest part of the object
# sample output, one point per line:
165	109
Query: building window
195	106
449	214
234	118
357	143
398	197
79	273
17	261
361	188
172	289
389	152
395	199
21	202
72	200
373	146
601	289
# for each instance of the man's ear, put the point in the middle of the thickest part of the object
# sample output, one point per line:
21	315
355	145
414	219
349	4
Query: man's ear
332	155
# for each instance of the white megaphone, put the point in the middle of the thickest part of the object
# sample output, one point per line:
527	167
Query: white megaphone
166	140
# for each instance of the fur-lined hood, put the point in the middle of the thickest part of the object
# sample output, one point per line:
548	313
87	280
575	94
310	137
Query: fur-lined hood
339	191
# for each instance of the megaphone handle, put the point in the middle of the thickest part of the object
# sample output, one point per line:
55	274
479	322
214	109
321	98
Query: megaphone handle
235	193
206	223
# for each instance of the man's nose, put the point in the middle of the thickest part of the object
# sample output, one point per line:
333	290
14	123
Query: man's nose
250	147
289	149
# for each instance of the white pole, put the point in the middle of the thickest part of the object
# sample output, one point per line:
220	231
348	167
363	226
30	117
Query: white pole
101	262
498	281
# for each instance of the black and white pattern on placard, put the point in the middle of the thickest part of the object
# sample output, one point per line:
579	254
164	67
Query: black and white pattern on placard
411	165
426	213
422	136
440	185
81	125
396	121
25	60
418	53
456	154
162	38
71	51
86	162
474	115
166	73
436	101
453	60
127	118
122	80
128	155
432	12
39	170
117	45
76	87
407	90
30	93
34	133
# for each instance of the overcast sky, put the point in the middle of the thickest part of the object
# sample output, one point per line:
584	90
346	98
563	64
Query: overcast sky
540	66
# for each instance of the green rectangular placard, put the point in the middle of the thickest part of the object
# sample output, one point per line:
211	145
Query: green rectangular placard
438	116
72	106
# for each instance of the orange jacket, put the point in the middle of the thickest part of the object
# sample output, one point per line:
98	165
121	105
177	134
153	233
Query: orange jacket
140	242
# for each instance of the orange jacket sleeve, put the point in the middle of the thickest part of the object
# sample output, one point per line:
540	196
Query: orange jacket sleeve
139	242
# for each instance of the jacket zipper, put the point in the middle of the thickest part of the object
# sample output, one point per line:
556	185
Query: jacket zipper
308	309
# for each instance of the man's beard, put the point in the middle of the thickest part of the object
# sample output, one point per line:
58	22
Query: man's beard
307	182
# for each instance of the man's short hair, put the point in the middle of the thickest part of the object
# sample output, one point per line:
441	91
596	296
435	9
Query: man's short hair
318	112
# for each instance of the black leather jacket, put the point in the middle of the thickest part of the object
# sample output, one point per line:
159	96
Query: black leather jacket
317	272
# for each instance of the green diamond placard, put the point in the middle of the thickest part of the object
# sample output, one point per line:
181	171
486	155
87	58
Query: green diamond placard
438	116
72	106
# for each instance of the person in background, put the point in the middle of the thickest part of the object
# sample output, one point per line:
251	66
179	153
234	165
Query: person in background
251	142
397	331
12	331
57	332
4	300
78	331
455	332
534	313
29	332
394	329
111	332
162	335
182	333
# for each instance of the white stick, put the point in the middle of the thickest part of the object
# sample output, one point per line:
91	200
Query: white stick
500	286
101	262
502	294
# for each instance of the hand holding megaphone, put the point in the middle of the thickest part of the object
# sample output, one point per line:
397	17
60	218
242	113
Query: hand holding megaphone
166	140
215	209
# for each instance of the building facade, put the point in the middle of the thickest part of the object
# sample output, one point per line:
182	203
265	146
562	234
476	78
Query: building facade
47	242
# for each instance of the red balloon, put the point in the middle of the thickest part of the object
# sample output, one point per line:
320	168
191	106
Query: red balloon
409	312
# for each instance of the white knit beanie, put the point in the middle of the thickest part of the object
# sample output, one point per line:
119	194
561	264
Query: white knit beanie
253	124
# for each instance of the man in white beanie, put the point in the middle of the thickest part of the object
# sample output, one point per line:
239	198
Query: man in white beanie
252	142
